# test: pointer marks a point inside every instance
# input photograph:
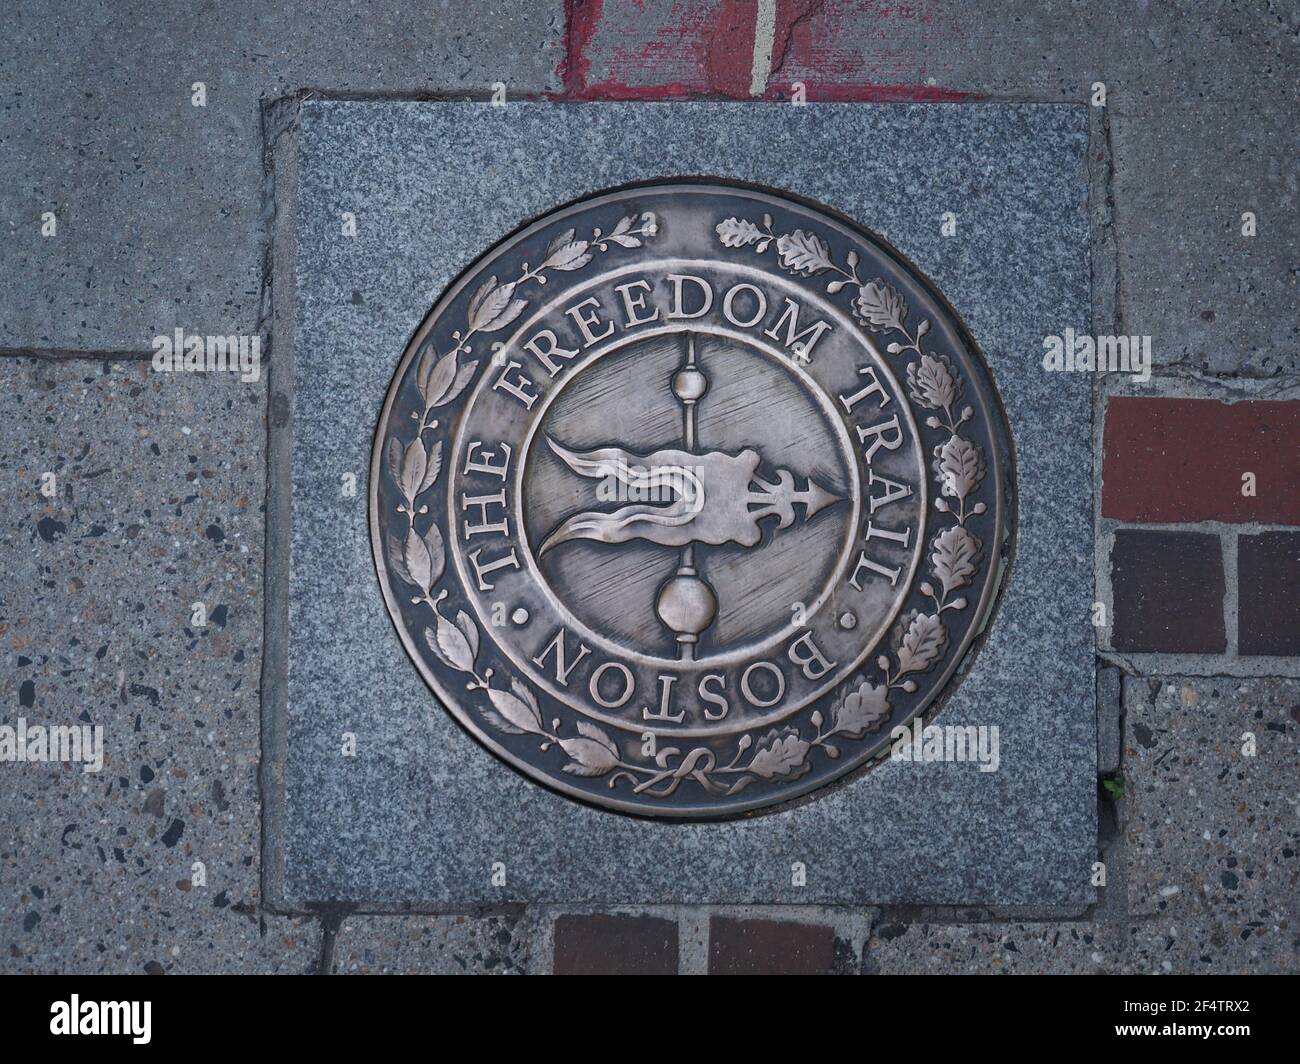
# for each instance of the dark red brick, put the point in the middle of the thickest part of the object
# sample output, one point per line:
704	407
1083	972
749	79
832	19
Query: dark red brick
615	945
769	947
1168	590
1268	594
1182	460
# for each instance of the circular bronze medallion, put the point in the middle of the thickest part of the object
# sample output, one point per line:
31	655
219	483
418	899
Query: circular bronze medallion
684	496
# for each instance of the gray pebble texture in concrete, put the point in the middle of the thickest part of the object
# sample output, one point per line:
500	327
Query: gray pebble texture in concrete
151	863
1210	766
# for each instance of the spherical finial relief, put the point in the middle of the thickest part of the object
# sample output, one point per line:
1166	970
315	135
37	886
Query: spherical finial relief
690	384
687	605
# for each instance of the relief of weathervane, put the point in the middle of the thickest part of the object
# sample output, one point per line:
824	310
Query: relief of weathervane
712	498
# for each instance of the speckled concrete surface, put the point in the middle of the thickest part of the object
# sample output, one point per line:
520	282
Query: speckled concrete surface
421	812
1213	944
1212	299
159	202
157	506
1210	830
1191	946
900	948
429	945
1180	52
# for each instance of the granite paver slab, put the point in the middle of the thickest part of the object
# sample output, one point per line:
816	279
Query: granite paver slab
420	815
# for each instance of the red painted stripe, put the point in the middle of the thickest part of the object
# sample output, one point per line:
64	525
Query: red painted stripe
582	18
708	52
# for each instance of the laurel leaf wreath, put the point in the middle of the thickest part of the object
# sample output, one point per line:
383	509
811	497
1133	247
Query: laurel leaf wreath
420	560
919	639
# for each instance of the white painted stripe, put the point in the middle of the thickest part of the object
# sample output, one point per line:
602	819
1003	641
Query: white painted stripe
764	36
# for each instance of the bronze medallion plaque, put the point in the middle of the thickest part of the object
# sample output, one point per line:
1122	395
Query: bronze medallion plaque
684	496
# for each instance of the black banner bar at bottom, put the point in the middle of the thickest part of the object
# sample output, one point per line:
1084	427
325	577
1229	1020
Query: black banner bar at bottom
339	1012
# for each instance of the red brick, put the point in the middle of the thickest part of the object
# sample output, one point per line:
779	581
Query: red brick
769	947
1182	460
1268	589
615	945
1168	591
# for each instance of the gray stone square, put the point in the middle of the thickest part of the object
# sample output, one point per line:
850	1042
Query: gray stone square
421	813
